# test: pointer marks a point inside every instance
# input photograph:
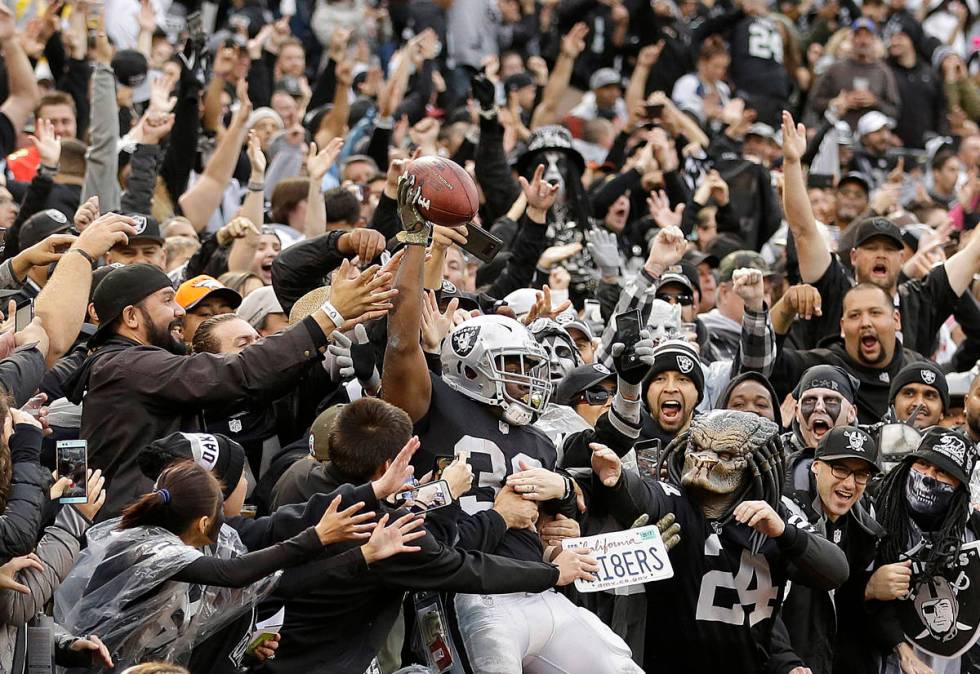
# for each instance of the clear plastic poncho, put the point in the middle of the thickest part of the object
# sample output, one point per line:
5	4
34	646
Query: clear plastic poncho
121	590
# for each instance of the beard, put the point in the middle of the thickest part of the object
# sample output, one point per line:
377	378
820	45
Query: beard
162	336
973	422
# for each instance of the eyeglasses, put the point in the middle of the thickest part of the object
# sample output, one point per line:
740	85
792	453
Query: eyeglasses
842	472
683	300
596	396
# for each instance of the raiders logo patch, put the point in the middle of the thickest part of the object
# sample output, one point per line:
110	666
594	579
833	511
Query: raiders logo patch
855	440
684	364
139	222
600	368
57	216
928	376
464	339
235	425
448	287
952	447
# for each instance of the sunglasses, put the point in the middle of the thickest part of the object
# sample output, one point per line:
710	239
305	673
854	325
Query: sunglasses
683	300
595	396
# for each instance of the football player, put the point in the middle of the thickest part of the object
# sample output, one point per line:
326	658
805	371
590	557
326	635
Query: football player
494	384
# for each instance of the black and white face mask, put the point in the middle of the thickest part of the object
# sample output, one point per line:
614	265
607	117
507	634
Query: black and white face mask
926	495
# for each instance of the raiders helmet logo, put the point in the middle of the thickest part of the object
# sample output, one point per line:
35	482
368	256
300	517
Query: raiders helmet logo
928	376
57	216
855	441
684	364
600	368
235	425
464	339
448	287
139	222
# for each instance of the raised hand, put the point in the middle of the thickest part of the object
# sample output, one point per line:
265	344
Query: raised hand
47	143
670	531
156	126
366	244
794	139
388	540
555	254
256	158
319	162
161	89
363	296
667	249
237	228
573	43
435	324
659	206
747	284
94	484
399	471
344	525
541	195
604	249
356	358
606	464
802	300
409	200
459	476
86	213
104	233
542	307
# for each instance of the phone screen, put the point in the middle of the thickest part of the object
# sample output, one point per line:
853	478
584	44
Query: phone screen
647	457
24	315
73	464
654	110
427	496
481	244
628	333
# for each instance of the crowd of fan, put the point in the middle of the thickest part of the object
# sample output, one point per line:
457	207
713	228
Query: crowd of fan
759	335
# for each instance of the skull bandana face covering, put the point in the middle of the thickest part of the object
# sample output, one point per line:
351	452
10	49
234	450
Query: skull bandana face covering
926	495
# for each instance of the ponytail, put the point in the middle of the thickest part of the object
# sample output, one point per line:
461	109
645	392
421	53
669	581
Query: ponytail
184	493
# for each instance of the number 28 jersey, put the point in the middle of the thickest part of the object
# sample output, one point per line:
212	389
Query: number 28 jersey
455	426
716	614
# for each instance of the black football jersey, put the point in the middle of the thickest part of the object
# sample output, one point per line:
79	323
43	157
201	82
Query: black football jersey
717	612
456	425
757	58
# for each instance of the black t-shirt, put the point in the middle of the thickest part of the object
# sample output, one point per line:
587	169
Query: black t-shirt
457	425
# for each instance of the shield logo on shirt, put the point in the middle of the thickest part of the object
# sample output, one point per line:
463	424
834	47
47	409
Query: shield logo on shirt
235	425
928	376
941	614
464	339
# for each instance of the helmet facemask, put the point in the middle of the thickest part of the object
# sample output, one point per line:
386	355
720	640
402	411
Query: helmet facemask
523	386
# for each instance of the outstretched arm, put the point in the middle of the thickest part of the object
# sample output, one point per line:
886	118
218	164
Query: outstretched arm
810	245
572	45
23	92
405	381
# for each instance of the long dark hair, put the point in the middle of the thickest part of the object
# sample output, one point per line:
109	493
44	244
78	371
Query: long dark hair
183	493
894	517
6	469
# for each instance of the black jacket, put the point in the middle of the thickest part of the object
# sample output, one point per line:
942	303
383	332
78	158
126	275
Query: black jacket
23	516
304	267
828	631
157	393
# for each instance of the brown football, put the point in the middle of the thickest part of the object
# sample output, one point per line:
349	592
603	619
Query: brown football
449	195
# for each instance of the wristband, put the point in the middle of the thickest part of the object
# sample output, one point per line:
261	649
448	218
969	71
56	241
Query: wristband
91	260
332	313
256	187
47	171
419	238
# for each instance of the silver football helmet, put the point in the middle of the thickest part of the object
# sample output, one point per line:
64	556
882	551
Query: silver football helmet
476	357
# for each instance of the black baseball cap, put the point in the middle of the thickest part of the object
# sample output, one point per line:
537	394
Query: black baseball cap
848	442
41	225
147	228
581	379
675	274
856	177
121	288
870	228
517	81
949	450
130	67
696	257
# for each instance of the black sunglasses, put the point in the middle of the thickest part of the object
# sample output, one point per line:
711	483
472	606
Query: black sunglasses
683	300
596	396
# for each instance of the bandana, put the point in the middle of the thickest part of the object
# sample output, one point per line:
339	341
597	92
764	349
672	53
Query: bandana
927	497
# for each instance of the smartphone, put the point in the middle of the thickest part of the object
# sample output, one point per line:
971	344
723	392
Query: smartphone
73	464
628	333
861	84
24	315
441	463
481	244
647	457
653	110
429	496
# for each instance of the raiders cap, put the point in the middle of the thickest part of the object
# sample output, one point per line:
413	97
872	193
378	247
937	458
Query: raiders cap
848	442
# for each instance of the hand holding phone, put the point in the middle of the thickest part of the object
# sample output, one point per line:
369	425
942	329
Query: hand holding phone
481	244
24	314
429	496
72	458
628	364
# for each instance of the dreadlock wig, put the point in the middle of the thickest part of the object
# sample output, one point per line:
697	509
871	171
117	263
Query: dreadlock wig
738	453
895	516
